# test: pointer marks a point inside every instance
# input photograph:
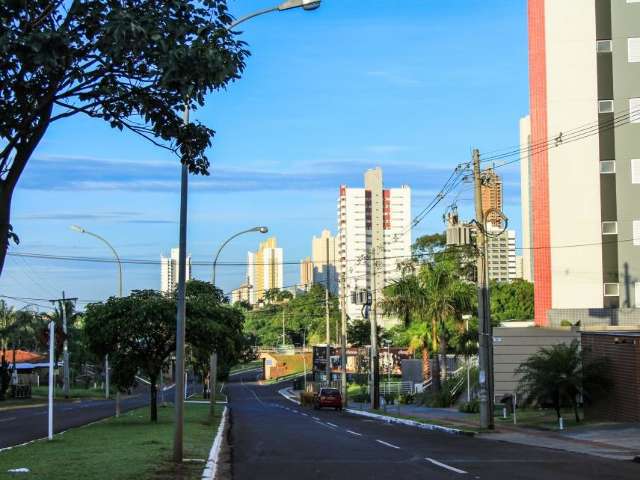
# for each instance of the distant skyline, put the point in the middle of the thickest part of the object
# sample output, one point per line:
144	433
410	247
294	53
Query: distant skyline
325	96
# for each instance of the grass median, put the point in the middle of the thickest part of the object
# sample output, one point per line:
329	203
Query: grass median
129	447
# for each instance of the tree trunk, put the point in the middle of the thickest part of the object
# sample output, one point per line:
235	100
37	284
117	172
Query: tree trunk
426	364
153	398
443	354
435	379
575	410
5	221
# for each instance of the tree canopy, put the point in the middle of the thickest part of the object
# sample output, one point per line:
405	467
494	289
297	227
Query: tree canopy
133	64
512	301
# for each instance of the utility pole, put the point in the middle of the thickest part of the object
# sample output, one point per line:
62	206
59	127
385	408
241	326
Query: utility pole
52	350
484	316
326	315
343	340
283	334
65	345
374	388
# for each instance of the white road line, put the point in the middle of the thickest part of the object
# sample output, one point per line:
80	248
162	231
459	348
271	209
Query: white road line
13	418
316	418
306	414
444	465
388	444
333	425
354	433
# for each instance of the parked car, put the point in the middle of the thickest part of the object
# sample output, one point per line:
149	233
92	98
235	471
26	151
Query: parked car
328	397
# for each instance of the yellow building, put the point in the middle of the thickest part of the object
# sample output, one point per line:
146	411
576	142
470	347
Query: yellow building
264	270
306	273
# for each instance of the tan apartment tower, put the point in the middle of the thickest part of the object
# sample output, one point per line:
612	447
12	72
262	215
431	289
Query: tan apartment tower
264	270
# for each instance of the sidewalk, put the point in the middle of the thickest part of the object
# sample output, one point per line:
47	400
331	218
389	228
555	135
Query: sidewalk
615	441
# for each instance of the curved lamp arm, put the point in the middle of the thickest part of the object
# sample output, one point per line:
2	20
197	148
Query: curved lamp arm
215	261
113	250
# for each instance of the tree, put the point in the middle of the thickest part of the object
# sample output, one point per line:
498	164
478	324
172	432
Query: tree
212	326
512	300
138	333
133	64
557	375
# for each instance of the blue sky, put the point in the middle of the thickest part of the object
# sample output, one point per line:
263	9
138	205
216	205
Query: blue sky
410	86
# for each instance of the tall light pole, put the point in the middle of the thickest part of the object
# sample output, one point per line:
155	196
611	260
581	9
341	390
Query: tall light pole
178	447
213	360
79	229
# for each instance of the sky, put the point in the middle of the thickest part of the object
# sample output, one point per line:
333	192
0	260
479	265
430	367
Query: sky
410	86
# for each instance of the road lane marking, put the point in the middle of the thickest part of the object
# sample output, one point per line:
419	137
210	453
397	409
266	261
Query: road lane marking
304	414
354	433
333	425
316	418
8	419
388	444
444	465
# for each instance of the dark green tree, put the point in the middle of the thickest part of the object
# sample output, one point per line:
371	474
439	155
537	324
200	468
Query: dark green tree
132	63
557	375
138	333
511	300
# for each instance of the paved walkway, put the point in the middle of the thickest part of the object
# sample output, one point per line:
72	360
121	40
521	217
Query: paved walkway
617	441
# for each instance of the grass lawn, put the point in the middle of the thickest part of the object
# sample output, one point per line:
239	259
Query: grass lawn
129	447
543	419
43	392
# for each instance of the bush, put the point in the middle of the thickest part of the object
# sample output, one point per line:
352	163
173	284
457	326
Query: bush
389	398
407	398
470	407
307	399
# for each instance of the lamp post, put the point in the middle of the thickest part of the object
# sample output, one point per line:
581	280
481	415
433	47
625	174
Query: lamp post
213	360
178	447
79	229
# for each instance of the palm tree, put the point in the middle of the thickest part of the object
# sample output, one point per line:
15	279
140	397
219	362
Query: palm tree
558	375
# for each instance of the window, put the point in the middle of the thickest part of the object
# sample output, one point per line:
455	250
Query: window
636	233
609	228
611	290
608	166
634	50
605	106
604	46
635	170
634	110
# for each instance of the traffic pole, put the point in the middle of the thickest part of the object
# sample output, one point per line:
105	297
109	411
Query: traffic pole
52	342
343	341
484	317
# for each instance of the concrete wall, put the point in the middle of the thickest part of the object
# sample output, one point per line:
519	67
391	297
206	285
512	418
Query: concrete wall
512	346
595	317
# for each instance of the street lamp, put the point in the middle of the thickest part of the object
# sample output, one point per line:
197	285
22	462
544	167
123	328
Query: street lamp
213	360
178	447
224	244
79	229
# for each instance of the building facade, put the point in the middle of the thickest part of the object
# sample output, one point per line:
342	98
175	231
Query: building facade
241	294
491	192
502	262
585	155
525	198
374	236
306	273
321	266
169	271
264	270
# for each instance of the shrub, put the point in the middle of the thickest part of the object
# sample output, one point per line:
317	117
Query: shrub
470	407
307	399
407	398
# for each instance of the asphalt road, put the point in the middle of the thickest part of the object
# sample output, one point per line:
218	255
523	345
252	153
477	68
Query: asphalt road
273	438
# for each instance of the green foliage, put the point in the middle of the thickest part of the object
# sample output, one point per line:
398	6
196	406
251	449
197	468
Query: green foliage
557	375
470	407
512	300
132	64
359	333
406	398
5	375
304	313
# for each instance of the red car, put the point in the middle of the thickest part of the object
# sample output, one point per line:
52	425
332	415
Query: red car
328	397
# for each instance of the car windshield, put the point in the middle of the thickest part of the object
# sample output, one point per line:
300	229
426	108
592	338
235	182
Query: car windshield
330	392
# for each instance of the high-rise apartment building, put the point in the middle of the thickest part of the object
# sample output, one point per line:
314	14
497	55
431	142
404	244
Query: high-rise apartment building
502	262
374	223
585	157
241	294
264	270
306	273
169	271
491	192
525	198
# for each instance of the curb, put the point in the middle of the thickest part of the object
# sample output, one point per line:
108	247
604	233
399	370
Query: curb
401	421
411	423
211	469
